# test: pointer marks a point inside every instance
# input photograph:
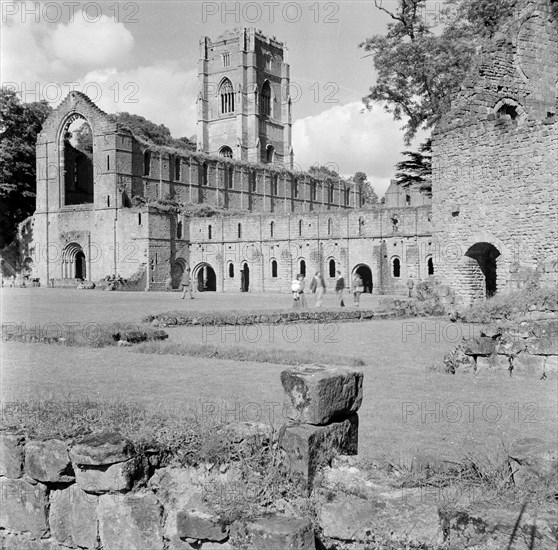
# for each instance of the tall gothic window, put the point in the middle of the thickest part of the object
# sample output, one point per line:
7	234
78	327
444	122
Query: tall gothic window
226	152
226	93
265	99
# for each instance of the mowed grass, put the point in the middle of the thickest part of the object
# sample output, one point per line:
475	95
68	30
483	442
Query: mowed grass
405	408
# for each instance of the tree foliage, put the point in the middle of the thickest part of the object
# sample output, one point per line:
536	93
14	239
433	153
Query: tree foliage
157	134
419	70
367	192
416	169
19	125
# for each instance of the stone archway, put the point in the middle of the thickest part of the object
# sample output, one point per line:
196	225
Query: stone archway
366	275
177	270
483	269
206	280
74	265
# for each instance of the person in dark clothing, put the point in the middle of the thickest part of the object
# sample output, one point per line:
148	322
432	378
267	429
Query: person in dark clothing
339	288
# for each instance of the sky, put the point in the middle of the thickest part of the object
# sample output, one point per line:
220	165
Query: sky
142	57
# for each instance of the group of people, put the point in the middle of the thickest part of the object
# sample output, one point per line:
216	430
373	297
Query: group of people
318	286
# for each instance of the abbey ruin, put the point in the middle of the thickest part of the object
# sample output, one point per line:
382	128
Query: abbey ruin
492	218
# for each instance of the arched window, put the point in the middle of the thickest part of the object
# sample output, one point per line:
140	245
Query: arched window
179	230
226	93
239	231
205	172
347	195
231	270
139	218
274	185
270	154
209	232
274	268
329	226
313	191
302	269
229	177
430	264
300	228
408	200
396	267
146	163
330	193
507	109
332	268
253	182
265	99
226	152
177	169
360	226
271	229
294	188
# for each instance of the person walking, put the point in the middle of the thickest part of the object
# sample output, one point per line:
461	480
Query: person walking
410	286
339	288
320	288
357	288
302	297
168	283
186	284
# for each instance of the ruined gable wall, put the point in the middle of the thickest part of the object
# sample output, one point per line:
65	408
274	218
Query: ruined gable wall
493	177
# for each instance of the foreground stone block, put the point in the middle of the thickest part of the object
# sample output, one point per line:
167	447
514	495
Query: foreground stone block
480	346
73	517
24	541
493	362
533	460
23	506
132	522
11	454
200	524
307	447
48	461
101	449
318	395
543	346
275	532
529	366
105	479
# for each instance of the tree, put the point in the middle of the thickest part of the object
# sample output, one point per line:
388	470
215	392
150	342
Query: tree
367	193
416	170
19	125
157	134
418	71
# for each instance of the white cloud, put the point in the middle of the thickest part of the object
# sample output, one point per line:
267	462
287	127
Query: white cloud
369	141
91	45
39	52
164	94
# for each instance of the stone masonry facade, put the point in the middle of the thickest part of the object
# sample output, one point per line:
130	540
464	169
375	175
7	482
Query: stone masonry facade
495	164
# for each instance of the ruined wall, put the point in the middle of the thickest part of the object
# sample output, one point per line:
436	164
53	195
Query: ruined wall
494	160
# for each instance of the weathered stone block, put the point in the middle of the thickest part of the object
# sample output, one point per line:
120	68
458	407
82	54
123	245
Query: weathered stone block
24	506
11	454
101	449
531	366
25	541
275	532
510	346
73	517
493	362
104	479
543	346
307	447
201	524
48	461
480	346
318	395
132	522
532	459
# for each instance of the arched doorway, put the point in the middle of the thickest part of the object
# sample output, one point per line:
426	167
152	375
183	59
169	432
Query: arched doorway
74	264
366	275
483	269
245	278
205	278
177	270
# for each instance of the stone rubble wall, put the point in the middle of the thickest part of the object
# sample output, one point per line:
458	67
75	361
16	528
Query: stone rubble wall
96	491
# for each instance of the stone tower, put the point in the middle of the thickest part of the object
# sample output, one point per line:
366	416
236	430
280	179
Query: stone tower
244	107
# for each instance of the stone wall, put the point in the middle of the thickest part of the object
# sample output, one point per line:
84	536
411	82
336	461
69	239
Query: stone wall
494	162
96	491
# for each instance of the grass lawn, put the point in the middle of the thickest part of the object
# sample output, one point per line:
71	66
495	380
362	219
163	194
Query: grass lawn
405	407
